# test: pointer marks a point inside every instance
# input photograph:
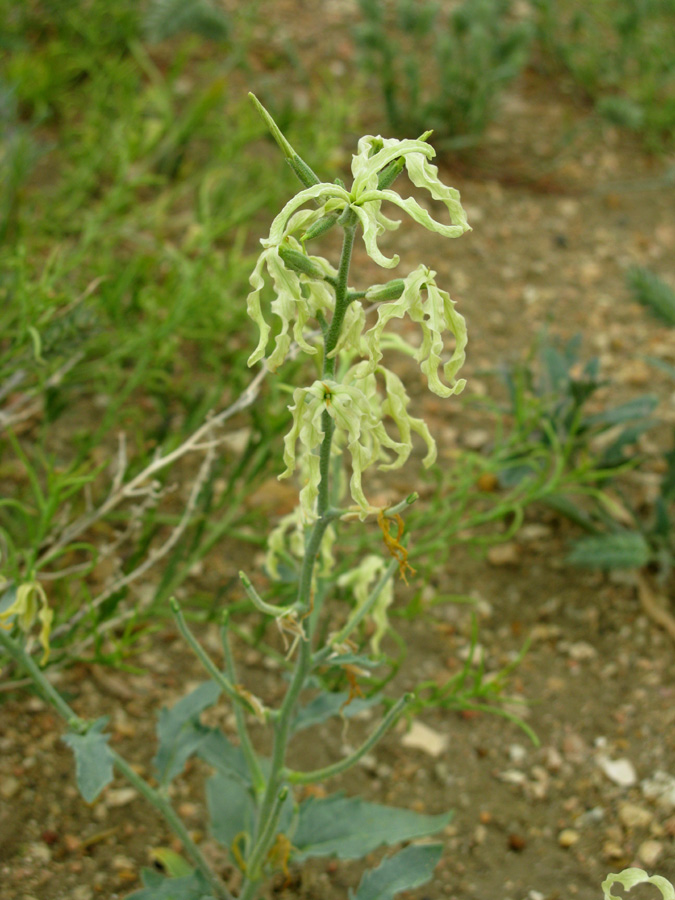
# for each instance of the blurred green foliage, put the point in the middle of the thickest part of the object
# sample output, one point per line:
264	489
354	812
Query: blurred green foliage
438	69
620	53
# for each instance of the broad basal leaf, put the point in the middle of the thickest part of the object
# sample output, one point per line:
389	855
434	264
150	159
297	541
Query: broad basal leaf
326	705
406	870
231	808
189	887
227	759
179	731
349	828
93	759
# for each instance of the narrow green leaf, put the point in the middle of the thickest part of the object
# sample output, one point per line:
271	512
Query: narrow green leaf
622	550
639	408
652	292
405	870
93	759
350	828
179	731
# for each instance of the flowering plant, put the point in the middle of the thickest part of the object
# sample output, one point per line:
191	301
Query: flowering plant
255	812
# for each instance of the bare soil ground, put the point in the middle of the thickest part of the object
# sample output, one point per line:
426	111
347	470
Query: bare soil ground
554	231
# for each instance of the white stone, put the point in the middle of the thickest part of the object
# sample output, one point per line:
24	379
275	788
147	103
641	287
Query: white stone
421	737
620	771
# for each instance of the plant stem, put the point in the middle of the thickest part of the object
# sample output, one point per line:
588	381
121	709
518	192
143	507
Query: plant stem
213	670
282	725
257	858
318	775
255	771
161	804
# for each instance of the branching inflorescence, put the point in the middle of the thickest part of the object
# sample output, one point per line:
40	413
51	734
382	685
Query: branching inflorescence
356	407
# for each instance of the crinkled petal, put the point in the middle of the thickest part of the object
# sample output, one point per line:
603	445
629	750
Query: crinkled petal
362	580
425	175
280	225
442	314
415	211
253	308
372	229
366	165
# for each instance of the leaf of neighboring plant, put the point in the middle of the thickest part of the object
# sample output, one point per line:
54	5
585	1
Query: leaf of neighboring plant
180	732
326	705
406	870
351	659
563	505
651	291
171	862
614	454
189	887
349	828
231	808
229	760
622	550
661	364
639	408
93	759
668	481
166	18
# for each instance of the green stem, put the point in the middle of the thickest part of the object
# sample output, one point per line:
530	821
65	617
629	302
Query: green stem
319	775
284	718
161	803
246	746
262	847
163	806
213	670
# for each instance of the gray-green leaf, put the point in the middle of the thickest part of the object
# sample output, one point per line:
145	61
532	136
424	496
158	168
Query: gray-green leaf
405	870
189	887
179	731
622	550
326	705
227	759
231	808
349	828
93	759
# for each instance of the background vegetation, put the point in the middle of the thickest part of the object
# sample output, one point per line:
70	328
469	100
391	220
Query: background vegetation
135	180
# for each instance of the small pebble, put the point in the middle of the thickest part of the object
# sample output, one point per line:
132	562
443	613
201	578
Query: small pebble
517	843
568	837
633	816
504	555
650	852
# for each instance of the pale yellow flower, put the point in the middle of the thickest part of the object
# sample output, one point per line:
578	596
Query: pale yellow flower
29	603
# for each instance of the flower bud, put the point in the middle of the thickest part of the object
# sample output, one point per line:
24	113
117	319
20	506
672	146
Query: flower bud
392	290
298	262
321	226
303	171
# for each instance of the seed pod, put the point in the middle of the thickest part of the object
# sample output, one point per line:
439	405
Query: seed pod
392	290
298	262
321	226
